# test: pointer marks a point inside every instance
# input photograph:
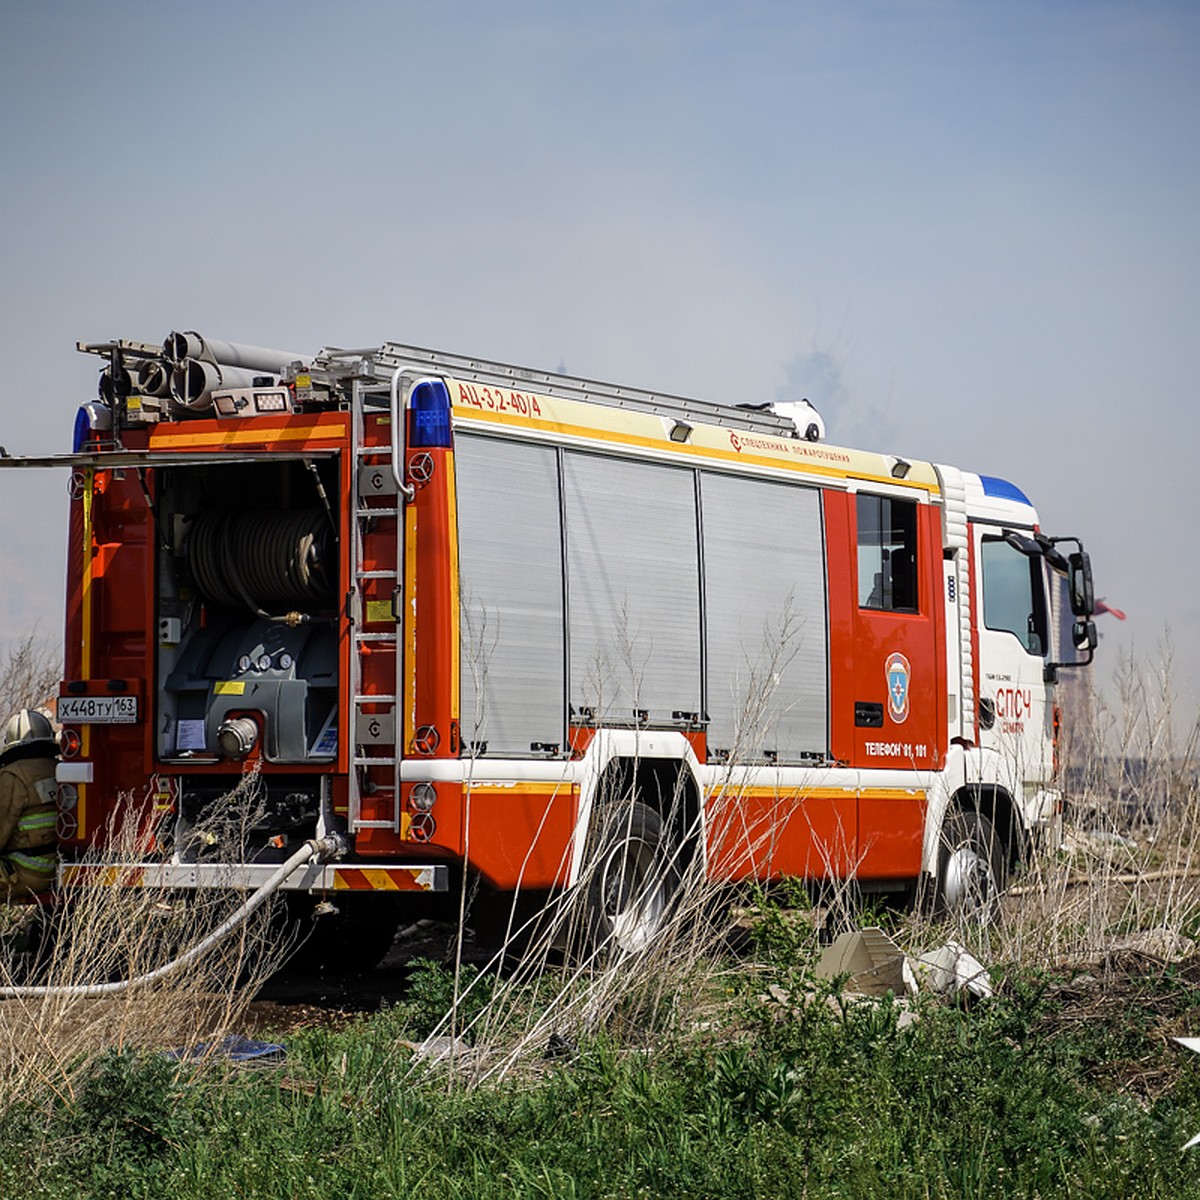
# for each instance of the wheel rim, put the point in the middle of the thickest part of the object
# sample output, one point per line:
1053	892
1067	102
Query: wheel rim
969	886
632	900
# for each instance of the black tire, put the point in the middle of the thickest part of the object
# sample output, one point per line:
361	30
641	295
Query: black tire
633	879
972	867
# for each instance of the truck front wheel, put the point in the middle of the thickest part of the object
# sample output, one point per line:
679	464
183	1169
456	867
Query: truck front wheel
972	867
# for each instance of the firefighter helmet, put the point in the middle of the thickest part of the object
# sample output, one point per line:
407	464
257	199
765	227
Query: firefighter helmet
26	728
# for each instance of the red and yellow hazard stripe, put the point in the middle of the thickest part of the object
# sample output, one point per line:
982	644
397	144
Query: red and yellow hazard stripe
382	879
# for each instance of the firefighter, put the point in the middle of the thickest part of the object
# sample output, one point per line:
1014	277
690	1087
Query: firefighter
28	846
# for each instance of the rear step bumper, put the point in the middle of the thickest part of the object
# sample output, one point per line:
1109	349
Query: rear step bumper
313	877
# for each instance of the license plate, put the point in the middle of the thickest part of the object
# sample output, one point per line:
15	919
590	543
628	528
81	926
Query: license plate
97	710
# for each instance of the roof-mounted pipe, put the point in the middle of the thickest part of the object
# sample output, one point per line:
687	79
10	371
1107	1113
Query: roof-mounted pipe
153	377
178	348
194	380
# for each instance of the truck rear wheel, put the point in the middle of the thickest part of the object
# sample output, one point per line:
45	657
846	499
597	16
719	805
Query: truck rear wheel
972	867
633	881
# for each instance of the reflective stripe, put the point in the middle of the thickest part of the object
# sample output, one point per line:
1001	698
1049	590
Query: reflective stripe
44	864
28	822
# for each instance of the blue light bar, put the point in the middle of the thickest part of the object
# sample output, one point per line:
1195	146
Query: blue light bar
92	418
1003	490
429	424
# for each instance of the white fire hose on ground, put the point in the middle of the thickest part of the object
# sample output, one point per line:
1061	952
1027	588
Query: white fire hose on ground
319	849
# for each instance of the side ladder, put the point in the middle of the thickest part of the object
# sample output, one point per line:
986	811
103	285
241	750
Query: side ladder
376	660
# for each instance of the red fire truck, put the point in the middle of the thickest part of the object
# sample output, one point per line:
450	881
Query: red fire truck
442	608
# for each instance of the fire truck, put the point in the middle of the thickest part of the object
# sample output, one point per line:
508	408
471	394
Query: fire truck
451	615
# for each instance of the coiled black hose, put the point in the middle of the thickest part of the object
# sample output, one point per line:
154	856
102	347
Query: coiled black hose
265	560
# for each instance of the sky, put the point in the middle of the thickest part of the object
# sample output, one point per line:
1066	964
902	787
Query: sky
967	232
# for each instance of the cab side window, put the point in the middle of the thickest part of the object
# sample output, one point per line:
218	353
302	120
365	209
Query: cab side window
1014	598
887	553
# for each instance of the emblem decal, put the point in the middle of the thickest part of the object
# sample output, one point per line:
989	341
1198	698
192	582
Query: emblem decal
897	670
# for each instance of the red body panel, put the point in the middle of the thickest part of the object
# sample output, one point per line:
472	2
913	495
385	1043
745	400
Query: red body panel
891	831
757	832
912	729
841	589
434	613
106	642
890	825
521	835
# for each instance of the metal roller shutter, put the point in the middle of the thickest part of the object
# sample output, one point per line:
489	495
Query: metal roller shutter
767	641
511	595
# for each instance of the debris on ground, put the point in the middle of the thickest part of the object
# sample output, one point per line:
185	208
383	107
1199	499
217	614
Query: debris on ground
873	966
1162	943
439	1049
874	963
1190	1043
232	1048
1096	842
561	1046
952	970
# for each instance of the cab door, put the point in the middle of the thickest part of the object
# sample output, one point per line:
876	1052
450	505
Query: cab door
897	694
899	683
1015	705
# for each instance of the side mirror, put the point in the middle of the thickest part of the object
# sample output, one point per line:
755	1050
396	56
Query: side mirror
1083	634
1083	598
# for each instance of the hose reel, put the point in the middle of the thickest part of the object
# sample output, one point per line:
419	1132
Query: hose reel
266	560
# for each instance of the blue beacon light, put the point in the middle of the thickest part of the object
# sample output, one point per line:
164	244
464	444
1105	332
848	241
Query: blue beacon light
429	425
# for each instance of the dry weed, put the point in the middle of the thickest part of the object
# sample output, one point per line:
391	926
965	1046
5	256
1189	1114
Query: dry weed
113	923
1125	876
30	669
662	974
566	972
1127	872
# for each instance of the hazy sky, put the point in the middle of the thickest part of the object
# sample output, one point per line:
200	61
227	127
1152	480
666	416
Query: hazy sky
968	232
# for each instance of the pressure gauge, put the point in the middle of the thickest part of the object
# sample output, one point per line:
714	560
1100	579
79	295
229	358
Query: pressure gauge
245	663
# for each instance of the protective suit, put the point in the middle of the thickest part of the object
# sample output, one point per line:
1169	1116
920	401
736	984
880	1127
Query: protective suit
28	813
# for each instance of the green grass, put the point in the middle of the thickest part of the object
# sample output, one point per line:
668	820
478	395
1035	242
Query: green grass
1013	1098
